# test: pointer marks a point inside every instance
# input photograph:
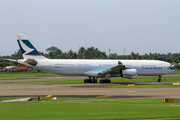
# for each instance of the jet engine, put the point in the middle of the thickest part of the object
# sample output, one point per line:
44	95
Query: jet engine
129	73
130	77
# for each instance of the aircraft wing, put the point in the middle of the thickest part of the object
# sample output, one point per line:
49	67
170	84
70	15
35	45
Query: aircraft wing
97	72
93	73
114	69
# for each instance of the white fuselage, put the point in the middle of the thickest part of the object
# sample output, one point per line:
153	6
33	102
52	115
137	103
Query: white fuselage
79	67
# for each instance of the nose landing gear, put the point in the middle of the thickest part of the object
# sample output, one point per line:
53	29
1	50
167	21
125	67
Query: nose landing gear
159	80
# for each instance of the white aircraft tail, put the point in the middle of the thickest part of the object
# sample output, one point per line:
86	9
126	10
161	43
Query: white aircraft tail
27	49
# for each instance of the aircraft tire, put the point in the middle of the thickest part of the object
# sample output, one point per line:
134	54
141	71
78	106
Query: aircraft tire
159	80
101	81
94	81
85	80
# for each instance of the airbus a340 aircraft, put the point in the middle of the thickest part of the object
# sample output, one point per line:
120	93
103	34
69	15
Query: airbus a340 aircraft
93	69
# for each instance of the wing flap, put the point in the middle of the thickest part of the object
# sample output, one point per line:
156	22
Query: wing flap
97	72
114	69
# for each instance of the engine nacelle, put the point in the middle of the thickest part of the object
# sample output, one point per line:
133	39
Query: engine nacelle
130	77
129	72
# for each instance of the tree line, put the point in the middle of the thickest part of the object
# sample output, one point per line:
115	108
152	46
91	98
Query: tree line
92	53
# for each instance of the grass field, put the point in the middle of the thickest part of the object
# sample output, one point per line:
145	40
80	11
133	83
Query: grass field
25	74
1	99
145	86
143	109
92	110
145	79
68	98
176	72
10	78
114	80
58	98
46	82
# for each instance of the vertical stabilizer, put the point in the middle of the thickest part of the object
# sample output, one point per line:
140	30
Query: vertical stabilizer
27	49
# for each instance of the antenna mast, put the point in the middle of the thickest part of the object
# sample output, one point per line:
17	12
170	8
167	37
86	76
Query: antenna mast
124	51
109	52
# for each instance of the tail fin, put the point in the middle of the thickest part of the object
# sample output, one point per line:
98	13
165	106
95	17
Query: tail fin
27	49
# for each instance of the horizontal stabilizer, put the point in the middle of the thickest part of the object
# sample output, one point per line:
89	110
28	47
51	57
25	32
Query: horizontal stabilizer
10	60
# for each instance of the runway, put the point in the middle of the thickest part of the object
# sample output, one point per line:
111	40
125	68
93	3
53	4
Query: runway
84	90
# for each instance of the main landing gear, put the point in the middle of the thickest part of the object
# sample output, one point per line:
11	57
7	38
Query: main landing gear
94	80
105	81
159	80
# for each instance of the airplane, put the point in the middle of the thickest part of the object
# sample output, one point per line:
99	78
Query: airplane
91	68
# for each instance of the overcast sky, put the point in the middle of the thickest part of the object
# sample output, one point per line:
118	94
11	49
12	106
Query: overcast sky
141	26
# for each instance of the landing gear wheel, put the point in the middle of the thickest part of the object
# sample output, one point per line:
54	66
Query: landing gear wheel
90	80
94	81
105	81
85	80
159	80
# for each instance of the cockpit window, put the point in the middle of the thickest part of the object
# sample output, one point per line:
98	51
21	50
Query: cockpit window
171	68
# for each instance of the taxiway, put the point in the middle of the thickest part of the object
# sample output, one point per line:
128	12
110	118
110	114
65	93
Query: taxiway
83	90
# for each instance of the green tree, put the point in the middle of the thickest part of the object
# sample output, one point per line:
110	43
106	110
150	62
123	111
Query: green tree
72	55
53	52
81	53
17	55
